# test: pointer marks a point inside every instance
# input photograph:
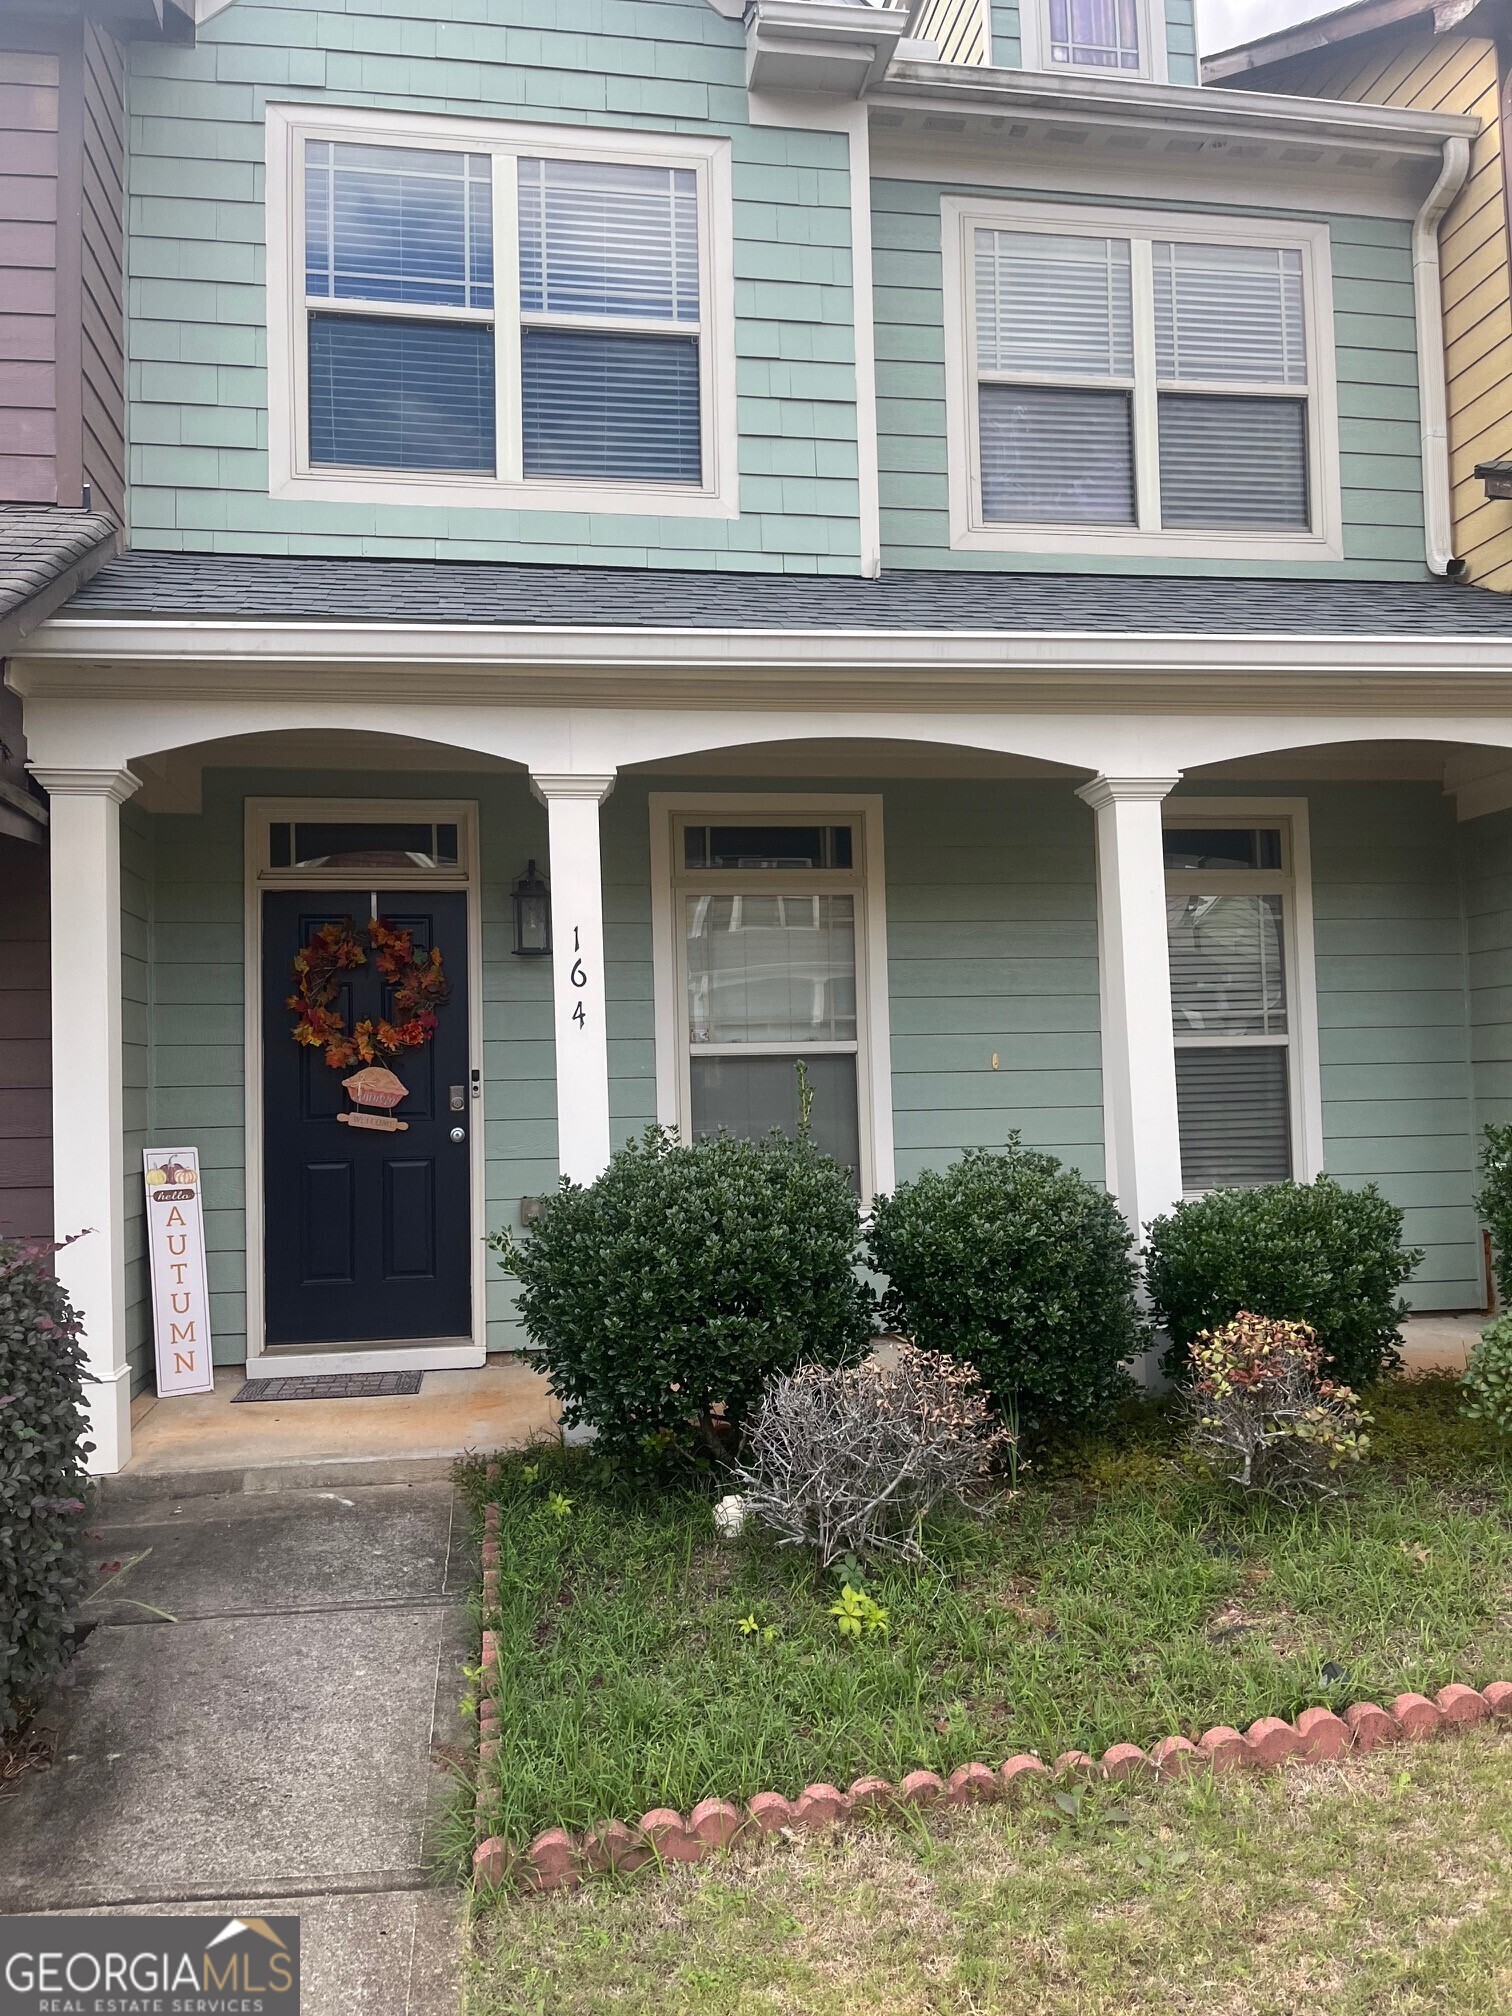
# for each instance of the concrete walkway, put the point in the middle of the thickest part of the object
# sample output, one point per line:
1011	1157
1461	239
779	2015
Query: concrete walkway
280	1746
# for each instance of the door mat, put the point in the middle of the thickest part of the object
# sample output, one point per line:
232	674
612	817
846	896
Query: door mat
332	1386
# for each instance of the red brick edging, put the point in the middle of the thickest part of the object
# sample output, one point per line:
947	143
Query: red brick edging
557	1860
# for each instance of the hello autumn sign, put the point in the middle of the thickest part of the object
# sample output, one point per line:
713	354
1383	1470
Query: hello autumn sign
176	1247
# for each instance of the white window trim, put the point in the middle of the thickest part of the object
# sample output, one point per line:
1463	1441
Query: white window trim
873	1021
289	471
1034	45
971	532
1304	1077
258	815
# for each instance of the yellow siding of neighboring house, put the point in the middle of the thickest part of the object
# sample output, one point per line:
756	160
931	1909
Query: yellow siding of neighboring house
958	28
1453	73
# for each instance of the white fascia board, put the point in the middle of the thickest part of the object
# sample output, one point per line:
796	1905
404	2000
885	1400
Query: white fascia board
199	653
1176	109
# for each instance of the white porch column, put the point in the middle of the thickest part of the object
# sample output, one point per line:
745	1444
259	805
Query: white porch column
1143	1142
89	1172
577	968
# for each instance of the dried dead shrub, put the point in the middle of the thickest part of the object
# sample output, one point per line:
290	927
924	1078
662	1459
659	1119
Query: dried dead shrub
1265	1412
852	1459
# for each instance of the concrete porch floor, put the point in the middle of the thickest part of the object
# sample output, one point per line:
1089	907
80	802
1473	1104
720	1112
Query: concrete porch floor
501	1405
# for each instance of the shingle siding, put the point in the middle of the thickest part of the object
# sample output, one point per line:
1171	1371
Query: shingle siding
197	348
1376	366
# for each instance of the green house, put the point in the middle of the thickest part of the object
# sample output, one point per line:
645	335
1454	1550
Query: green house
913	540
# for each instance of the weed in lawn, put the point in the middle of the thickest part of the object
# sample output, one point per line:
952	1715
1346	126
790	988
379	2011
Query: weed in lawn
1072	1619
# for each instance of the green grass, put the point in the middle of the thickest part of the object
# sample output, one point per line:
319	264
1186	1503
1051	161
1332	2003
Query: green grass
1381	1888
1116	1597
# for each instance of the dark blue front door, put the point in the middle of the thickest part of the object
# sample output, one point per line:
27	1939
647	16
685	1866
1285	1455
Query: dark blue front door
368	1235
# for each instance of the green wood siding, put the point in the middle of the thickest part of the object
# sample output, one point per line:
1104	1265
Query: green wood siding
992	944
1006	51
1181	41
196	307
1377	391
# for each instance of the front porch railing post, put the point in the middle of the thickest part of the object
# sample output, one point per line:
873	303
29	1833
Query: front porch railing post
577	958
1142	1138
89	1157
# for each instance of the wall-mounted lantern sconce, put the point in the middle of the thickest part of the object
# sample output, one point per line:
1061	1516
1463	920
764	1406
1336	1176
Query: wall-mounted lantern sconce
532	915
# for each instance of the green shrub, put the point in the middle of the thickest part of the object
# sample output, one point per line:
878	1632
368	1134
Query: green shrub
41	1477
681	1280
1486	1383
1312	1253
1022	1268
1494	1203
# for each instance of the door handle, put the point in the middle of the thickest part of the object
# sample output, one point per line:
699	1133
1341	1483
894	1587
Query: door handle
459	1133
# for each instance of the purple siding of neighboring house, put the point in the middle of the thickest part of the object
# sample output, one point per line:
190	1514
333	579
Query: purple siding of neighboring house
62	355
62	439
25	1045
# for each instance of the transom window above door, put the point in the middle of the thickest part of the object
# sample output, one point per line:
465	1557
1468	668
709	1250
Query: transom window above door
461	311
1143	382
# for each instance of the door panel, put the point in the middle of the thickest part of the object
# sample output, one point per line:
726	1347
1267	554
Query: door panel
328	1224
409	1221
368	1234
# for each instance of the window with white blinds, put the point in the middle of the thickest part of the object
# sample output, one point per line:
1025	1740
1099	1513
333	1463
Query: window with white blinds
1229	893
1152	384
769	920
610	302
504	312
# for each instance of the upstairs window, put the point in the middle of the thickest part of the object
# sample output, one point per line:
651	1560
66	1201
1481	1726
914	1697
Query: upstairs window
399	282
1096	34
508	308
1160	384
1104	38
609	306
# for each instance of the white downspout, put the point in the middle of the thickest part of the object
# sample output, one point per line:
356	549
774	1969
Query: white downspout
1433	400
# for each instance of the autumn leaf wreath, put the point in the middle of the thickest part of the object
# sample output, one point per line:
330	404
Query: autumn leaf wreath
419	988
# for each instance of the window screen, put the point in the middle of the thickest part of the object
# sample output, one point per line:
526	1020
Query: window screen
1181	402
386	394
407	227
1231	315
1056	306
614	243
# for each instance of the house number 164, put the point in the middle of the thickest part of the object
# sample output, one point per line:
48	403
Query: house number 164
579	977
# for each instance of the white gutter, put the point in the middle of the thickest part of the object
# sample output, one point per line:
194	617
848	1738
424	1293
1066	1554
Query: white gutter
1433	395
203	649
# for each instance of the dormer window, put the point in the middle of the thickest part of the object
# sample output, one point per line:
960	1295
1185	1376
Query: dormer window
1104	38
1096	35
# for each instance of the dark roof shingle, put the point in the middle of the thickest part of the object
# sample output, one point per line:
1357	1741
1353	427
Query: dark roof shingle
271	589
43	549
